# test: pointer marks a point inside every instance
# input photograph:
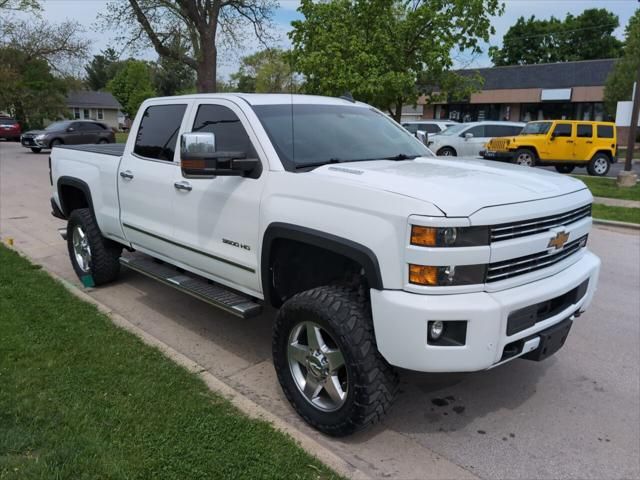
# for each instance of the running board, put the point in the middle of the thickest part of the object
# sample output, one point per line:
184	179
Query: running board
235	303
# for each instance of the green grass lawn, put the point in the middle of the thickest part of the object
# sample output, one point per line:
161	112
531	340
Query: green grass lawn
83	399
606	187
620	214
121	137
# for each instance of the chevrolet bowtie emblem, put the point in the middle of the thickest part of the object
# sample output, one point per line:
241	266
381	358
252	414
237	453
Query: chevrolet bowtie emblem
559	240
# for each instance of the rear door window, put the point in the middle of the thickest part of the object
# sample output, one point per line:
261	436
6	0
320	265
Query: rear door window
477	131
158	132
585	131
430	128
412	127
502	130
605	131
562	130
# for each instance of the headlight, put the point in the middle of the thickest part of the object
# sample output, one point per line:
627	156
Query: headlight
445	276
449	236
41	136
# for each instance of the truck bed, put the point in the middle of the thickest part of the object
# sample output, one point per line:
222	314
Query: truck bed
113	149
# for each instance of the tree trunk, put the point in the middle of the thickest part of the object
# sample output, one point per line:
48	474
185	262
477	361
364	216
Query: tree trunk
206	81
397	115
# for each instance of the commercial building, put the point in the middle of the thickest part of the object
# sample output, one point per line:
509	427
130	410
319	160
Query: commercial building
568	90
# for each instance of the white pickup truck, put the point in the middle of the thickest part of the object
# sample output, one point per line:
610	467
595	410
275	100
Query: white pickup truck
377	254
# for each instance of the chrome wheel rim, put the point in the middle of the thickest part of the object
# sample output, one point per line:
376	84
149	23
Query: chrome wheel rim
525	160
81	249
600	165
317	366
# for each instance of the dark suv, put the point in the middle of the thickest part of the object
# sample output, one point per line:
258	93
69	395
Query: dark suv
68	132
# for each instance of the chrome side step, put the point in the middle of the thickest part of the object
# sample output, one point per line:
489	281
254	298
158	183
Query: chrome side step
235	303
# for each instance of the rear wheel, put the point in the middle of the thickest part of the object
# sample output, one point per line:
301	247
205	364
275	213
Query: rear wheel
446	152
524	157
327	362
95	259
36	150
103	140
565	168
599	165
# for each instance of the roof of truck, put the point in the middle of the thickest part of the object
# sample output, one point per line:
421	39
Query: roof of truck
270	98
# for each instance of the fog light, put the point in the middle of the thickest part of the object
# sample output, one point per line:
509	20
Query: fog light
435	330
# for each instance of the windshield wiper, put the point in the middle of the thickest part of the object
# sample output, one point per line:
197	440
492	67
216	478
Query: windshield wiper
320	164
401	156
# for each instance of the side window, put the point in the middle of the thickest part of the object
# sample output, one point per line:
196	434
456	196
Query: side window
412	127
477	131
86	127
501	130
158	132
585	131
226	126
605	131
515	130
562	130
431	128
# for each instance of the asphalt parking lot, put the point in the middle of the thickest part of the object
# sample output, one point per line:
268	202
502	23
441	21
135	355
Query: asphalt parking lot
576	415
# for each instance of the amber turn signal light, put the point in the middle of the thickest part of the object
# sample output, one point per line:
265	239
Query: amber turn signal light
426	236
423	275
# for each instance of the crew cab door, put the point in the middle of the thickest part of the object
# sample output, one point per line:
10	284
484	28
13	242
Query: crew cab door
216	220
145	179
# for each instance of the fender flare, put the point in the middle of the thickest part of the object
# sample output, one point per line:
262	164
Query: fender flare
76	183
342	246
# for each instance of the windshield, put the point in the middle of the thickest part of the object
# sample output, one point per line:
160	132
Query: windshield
321	134
58	126
454	129
536	128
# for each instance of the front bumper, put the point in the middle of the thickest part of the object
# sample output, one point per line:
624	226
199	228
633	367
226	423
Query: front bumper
31	142
400	320
497	155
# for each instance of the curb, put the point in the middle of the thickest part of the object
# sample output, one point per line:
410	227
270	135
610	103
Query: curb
615	223
238	400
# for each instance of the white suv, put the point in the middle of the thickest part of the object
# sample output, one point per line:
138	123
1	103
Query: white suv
467	139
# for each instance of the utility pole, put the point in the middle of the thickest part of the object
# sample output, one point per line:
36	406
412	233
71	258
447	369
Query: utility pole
627	178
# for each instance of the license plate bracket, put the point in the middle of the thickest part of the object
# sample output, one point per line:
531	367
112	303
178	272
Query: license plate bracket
551	340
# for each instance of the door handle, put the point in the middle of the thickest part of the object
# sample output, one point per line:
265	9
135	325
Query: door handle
185	186
588	141
126	174
569	141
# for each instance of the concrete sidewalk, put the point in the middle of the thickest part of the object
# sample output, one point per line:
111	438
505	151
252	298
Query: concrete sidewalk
615	202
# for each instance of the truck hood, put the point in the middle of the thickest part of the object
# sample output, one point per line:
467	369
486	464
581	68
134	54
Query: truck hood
458	187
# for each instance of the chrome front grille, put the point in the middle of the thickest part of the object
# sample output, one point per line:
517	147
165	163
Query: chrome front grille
519	266
507	231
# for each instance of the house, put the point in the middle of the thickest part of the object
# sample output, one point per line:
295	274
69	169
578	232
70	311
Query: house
100	106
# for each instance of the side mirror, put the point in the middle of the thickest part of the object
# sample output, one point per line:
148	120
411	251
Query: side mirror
467	136
198	158
71	129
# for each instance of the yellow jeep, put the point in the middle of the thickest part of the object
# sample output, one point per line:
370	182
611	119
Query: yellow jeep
565	144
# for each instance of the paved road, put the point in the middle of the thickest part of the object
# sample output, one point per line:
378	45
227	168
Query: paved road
576	415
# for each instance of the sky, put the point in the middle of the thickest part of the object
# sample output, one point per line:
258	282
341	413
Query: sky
86	11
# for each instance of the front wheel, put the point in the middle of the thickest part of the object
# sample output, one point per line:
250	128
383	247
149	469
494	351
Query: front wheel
95	259
328	365
36	150
524	157
565	168
599	165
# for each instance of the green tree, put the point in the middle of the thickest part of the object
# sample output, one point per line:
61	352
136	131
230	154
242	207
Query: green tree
101	69
620	82
380	49
132	85
29	89
585	37
266	71
20	5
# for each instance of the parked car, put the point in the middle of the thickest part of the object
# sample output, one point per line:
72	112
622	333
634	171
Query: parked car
376	254
9	128
468	139
428	126
565	144
67	132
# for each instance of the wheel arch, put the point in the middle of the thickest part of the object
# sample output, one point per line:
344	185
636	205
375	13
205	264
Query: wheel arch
528	147
73	193
278	234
